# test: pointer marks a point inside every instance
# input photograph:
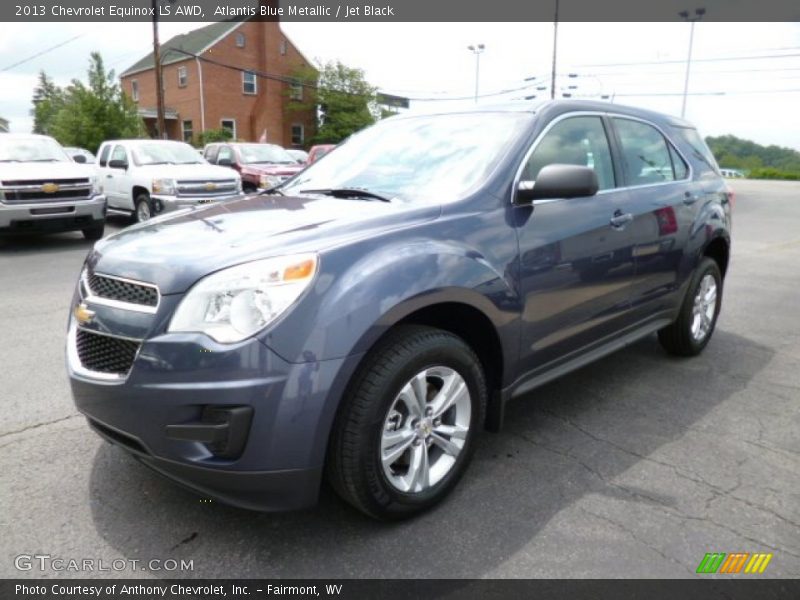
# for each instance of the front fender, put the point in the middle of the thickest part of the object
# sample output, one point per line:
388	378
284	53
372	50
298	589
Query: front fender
355	300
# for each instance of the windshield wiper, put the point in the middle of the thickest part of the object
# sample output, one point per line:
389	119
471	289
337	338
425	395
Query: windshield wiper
348	192
9	160
45	160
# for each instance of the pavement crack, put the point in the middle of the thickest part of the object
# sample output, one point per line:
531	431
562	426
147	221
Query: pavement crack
38	425
185	540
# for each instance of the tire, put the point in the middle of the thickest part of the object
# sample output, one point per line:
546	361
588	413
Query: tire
374	408
95	232
143	208
685	337
249	188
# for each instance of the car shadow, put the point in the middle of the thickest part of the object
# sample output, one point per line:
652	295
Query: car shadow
562	442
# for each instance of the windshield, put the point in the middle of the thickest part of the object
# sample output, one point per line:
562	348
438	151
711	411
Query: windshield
430	158
173	153
31	150
264	153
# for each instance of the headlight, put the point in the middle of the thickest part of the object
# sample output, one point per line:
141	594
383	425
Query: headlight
268	181
233	304
97	189
164	186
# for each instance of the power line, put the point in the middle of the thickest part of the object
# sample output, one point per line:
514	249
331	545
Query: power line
38	54
682	61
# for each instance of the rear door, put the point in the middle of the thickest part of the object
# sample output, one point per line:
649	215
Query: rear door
576	266
663	202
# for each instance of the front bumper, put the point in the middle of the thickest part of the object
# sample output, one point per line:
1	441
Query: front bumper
69	215
166	203
174	380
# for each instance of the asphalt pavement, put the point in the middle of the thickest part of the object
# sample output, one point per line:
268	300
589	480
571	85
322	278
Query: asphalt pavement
635	466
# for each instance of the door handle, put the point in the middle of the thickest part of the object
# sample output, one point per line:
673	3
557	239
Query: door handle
619	220
690	198
109	177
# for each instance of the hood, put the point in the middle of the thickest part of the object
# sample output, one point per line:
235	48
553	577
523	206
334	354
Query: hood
268	169
175	250
44	170
188	172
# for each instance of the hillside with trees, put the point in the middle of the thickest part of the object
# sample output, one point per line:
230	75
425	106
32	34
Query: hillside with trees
760	162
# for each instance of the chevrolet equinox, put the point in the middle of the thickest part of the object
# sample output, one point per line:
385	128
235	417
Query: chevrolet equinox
366	319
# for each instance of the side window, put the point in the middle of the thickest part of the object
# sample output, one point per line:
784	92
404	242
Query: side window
103	159
225	152
574	141
211	153
119	154
644	152
678	164
700	149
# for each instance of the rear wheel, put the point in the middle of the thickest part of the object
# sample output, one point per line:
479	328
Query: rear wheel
405	432
693	328
144	208
95	232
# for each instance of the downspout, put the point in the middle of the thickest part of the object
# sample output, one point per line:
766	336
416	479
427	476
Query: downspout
202	96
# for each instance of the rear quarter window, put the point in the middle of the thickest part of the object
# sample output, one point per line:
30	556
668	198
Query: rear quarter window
103	158
698	149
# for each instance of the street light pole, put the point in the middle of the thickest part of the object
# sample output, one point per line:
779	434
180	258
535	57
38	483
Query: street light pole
684	14
555	52
162	123
477	49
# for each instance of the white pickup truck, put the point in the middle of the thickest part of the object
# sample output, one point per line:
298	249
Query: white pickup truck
43	191
147	177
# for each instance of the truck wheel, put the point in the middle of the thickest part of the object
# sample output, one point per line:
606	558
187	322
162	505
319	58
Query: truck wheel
144	208
95	232
406	429
249	188
693	328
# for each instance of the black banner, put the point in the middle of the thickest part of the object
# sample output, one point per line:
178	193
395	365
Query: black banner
401	589
392	10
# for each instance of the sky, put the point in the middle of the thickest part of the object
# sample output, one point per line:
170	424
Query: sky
754	97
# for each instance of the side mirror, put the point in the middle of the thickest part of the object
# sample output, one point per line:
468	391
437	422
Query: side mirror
558	181
118	164
225	162
79	158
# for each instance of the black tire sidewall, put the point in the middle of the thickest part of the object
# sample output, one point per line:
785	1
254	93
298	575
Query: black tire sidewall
142	198
706	266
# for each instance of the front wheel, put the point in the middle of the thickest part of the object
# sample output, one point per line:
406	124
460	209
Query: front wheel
405	432
95	232
144	208
693	328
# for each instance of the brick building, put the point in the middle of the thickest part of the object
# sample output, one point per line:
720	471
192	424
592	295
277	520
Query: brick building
202	91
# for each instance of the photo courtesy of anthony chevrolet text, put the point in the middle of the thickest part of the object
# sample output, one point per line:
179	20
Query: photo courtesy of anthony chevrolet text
400	299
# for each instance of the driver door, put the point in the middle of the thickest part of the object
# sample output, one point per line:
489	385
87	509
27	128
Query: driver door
576	265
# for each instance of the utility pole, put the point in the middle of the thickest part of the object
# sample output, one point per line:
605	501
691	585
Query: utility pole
684	14
555	52
477	49
162	123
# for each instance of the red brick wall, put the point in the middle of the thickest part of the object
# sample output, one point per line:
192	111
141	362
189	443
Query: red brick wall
223	96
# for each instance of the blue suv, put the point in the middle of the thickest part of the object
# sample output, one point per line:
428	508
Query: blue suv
366	319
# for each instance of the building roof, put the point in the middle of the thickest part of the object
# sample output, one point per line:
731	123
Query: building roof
194	42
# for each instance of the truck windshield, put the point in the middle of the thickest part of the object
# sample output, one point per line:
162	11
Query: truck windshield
31	150
434	158
160	153
264	153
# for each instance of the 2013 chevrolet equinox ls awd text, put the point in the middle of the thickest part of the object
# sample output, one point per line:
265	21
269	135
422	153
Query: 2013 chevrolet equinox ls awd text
366	319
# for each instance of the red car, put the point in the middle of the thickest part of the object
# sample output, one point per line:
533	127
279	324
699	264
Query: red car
318	152
262	166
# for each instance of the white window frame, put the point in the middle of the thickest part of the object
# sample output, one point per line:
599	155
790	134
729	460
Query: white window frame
255	83
135	90
183	77
302	134
183	130
296	91
241	40
222	126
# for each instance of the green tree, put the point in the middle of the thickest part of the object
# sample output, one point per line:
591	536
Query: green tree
96	112
737	153
210	136
343	99
48	99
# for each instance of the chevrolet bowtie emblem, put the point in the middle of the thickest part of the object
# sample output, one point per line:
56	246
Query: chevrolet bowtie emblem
83	315
50	188
211	186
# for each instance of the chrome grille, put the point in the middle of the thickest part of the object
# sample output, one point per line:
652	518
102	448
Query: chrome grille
122	290
207	188
31	191
104	353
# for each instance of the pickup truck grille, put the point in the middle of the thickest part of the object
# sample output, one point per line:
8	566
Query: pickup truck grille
122	290
207	189
45	190
104	353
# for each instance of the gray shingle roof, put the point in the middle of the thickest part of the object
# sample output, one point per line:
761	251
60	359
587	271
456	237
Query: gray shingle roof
193	42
